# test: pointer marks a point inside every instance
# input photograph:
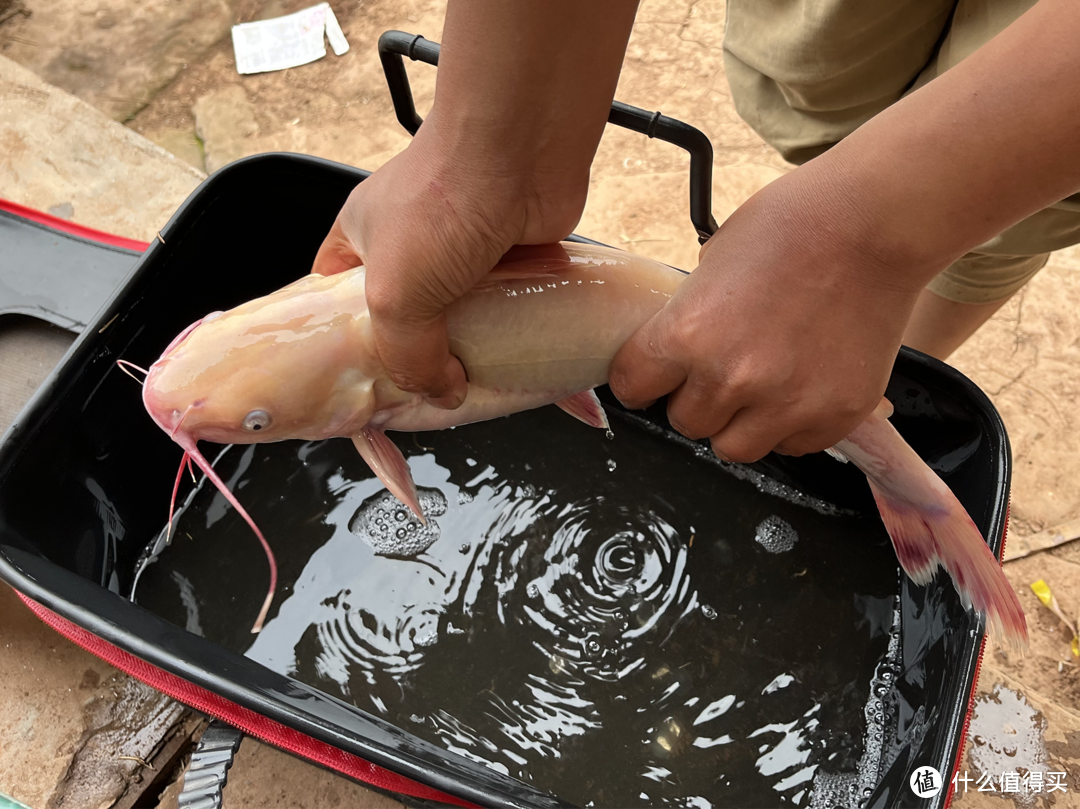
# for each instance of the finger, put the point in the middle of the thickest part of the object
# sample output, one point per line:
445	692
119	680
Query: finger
643	370
749	436
702	407
417	357
336	254
808	442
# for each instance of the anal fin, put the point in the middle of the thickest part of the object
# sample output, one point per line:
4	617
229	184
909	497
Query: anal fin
585	407
390	466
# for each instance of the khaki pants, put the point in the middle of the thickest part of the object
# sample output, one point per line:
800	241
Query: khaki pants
806	73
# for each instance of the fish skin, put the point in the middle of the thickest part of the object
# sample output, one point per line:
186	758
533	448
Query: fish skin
534	332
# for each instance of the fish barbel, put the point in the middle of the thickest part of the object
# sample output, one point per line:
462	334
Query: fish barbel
301	363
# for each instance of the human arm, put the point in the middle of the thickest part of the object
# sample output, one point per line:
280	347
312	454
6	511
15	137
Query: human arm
522	95
785	335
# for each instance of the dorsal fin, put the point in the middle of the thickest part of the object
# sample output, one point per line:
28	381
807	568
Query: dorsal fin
526	262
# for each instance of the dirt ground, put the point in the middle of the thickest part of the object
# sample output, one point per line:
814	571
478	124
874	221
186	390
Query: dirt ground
165	69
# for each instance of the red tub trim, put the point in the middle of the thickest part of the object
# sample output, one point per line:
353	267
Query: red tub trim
56	223
252	723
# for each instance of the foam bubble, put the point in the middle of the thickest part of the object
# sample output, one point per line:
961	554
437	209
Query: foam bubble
775	535
390	527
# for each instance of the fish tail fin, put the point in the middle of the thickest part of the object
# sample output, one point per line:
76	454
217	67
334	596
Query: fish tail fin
935	529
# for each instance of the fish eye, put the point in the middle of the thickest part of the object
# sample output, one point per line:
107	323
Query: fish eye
256	420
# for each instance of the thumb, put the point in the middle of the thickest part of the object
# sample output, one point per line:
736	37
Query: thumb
336	254
644	370
418	359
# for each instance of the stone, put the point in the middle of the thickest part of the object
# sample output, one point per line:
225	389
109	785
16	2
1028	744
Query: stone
224	121
55	148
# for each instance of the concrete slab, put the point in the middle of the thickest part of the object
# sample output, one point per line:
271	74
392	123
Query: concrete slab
56	149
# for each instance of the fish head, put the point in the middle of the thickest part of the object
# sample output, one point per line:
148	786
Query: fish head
298	363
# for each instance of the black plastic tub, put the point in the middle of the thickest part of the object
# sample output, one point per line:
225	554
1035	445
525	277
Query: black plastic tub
85	476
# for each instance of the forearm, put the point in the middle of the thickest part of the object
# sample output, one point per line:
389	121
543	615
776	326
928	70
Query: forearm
991	141
524	87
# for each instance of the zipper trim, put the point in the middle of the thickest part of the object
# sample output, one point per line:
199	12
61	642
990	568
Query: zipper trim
975	679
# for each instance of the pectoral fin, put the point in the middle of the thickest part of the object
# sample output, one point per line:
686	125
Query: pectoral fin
387	462
585	407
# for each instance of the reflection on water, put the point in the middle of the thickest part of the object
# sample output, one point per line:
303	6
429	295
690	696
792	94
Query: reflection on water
620	622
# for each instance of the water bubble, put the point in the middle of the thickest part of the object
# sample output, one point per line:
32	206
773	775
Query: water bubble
427	639
401	535
592	646
708	611
558	664
775	535
610	465
465	547
533	590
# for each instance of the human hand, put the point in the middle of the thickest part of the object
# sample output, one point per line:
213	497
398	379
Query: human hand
784	336
427	226
522	97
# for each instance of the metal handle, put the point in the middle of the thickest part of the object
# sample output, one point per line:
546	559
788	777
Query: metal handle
394	46
209	768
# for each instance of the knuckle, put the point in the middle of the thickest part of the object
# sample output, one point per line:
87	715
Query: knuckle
687	422
739	448
385	301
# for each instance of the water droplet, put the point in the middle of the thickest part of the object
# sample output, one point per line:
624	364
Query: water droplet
610	436
593	646
400	515
557	664
465	547
708	611
401	533
610	465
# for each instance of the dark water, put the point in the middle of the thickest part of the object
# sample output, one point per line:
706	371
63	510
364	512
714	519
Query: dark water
620	622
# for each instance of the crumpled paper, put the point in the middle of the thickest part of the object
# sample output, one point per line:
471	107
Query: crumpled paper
289	41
